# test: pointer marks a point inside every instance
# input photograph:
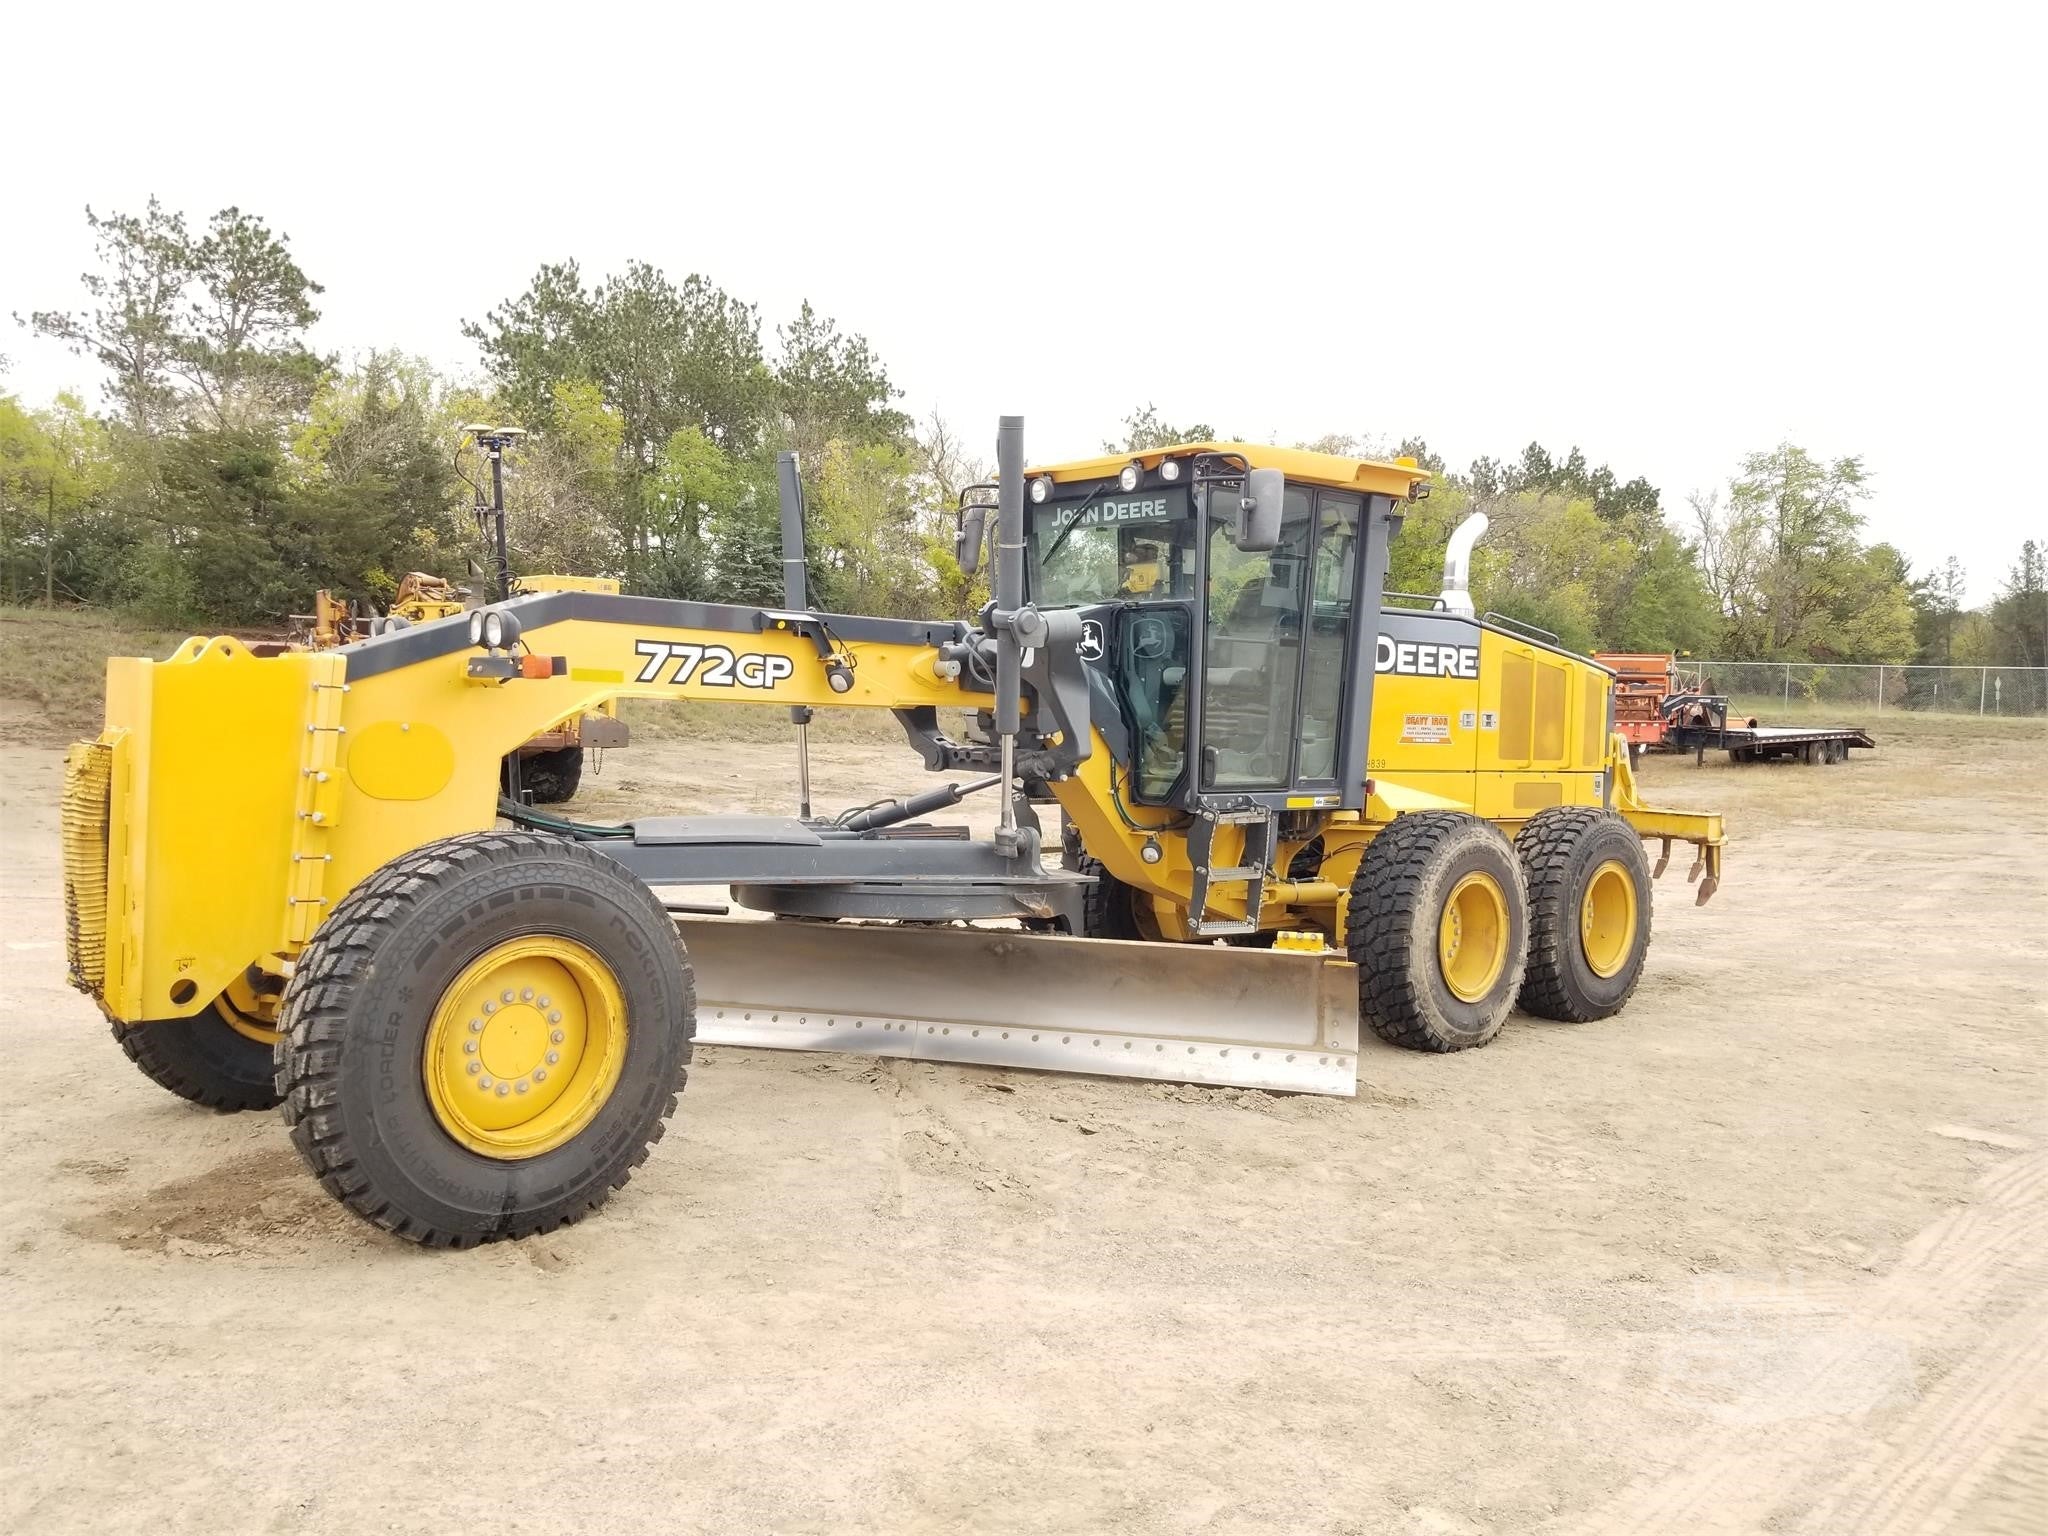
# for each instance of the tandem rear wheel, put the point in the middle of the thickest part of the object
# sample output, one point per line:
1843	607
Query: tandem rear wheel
1438	927
1452	927
1589	912
485	1038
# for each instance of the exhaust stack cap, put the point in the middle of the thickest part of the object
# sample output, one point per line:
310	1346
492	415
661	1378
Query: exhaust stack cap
1457	593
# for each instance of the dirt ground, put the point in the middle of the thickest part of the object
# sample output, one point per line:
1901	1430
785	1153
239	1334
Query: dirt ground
1767	1253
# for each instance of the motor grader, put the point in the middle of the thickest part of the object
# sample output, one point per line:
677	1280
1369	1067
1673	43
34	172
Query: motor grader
1285	809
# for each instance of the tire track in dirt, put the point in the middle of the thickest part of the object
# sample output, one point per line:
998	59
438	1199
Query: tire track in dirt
1934	1460
1803	1457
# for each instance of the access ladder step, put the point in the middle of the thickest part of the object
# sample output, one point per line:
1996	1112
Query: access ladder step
1257	856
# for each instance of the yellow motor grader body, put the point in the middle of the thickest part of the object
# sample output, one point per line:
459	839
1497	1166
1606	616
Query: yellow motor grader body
1286	809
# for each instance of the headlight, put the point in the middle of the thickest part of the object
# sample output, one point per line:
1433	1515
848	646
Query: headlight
1169	470
494	630
1132	472
476	626
1041	488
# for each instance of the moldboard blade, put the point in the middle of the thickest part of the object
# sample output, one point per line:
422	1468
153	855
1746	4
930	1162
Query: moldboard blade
1183	1013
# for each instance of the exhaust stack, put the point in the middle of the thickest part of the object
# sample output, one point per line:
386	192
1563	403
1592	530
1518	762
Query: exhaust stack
1457	593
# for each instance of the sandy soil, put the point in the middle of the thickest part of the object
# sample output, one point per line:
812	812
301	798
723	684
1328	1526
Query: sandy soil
1767	1253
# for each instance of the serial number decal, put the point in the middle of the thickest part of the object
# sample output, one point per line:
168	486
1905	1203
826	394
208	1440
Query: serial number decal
710	666
1410	659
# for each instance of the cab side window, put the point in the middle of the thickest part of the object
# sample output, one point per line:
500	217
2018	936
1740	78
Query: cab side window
1326	650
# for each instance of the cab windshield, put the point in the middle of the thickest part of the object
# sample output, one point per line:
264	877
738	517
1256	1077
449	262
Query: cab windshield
1111	547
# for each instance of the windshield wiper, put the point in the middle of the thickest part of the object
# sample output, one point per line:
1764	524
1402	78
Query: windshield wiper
1060	538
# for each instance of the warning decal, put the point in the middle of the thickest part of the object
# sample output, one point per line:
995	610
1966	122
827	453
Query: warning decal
1426	729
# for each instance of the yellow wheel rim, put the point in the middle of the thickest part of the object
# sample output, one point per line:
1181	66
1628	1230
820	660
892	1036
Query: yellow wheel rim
248	1012
1472	937
525	1047
1607	918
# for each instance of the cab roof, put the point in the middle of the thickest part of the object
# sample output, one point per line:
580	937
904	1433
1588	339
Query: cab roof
1401	478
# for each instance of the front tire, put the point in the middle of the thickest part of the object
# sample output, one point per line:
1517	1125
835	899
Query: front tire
1438	925
1589	913
485	1038
1110	908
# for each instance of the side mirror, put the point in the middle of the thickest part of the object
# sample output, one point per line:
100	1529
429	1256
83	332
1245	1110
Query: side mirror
967	543
1258	511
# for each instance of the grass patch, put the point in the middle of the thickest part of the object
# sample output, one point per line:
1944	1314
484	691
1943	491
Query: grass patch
1769	709
658	720
54	661
1894	727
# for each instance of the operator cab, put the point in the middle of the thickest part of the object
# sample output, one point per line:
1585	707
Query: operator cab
1221	587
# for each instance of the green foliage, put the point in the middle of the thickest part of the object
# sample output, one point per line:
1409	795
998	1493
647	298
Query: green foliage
53	472
237	472
867	554
137	293
832	388
2018	620
221	313
1555	561
1788	571
1143	429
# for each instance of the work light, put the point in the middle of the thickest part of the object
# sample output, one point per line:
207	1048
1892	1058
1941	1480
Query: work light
1169	470
1041	488
476	626
1130	476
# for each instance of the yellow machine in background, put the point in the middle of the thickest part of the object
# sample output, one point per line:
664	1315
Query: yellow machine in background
1296	810
548	764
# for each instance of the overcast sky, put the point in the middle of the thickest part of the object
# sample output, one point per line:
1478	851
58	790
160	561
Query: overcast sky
1670	234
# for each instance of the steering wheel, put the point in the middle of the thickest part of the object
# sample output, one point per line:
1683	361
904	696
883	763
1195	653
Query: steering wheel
1151	639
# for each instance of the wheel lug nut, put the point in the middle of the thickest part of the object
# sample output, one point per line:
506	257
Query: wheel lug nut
543	1000
490	1006
474	1067
476	1026
503	1090
521	1086
555	1017
554	1057
469	1047
526	994
507	994
484	1083
540	1074
558	1036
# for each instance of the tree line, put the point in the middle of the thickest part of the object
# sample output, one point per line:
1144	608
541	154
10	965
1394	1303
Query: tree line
233	470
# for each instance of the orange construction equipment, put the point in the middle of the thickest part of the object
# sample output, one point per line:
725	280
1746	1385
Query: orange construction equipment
1642	681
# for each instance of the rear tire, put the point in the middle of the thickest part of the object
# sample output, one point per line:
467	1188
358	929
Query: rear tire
377	1038
1418	985
549	778
203	1058
1589	913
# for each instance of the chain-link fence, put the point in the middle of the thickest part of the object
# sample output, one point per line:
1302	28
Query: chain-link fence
1792	688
